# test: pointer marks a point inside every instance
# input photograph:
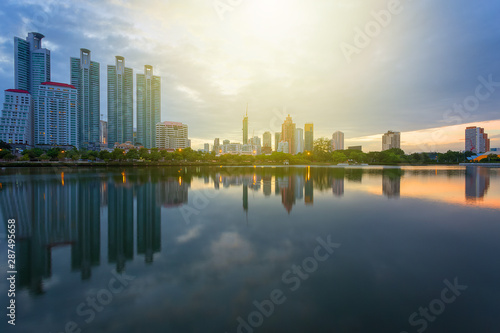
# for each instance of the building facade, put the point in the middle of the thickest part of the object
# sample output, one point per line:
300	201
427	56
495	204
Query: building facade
391	140
277	139
267	143
120	103
288	134
56	115
337	141
172	135
299	140
245	128
476	140
283	147
85	78
309	137
103	133
15	119
148	107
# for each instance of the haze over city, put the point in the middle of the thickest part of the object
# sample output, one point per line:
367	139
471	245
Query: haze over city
281	57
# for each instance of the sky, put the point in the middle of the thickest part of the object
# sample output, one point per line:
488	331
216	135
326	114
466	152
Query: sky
425	68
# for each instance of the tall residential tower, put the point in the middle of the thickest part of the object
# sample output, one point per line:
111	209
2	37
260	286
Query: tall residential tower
120	103
85	78
309	137
245	128
148	107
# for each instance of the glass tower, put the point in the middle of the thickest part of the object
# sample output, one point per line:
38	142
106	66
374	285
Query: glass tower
148	107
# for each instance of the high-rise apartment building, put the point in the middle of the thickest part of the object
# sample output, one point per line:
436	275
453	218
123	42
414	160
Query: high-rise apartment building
476	140
288	134
299	140
31	63
216	146
56	119
309	137
391	140
277	139
120	99
103	132
172	135
15	119
245	128
148	107
85	78
267	143
337	141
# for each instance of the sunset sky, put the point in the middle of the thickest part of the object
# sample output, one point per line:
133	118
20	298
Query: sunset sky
303	58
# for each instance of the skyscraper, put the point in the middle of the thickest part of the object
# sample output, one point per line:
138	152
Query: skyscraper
288	134
31	63
299	140
338	141
245	128
56	121
476	140
216	146
148	106
120	99
391	140
267	143
15	119
309	137
85	78
277	139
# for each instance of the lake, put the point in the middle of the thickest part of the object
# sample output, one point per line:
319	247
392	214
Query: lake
253	249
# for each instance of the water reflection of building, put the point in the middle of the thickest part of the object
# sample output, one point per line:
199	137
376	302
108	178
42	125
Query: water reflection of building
120	224
172	192
391	185
477	183
338	186
267	185
148	221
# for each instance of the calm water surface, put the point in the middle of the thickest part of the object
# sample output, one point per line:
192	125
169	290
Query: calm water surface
253	249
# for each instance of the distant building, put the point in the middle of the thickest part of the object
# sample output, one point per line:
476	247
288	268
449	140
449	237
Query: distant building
103	132
288	134
245	128
277	139
476	140
391	140
230	148
120	103
172	135
283	147
360	148
206	148
216	145
267	143
15	119
299	140
56	119
337	141
309	137
225	142
148	106
85	78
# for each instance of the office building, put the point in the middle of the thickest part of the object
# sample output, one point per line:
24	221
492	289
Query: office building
360	148
206	148
309	137
283	147
148	107
172	135
103	132
299	140
15	119
267	143
85	78
337	141
288	134
120	99
476	140
56	118
391	140
277	139
245	128
216	146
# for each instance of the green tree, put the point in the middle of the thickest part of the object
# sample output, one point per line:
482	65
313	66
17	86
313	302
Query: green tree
321	149
104	155
338	157
132	154
118	154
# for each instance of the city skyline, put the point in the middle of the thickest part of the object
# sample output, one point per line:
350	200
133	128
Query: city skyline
363	109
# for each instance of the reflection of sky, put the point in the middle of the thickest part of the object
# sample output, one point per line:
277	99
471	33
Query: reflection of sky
393	259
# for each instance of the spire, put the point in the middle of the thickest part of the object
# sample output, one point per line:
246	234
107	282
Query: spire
246	115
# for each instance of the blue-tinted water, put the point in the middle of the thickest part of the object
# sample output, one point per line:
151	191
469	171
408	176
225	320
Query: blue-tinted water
252	249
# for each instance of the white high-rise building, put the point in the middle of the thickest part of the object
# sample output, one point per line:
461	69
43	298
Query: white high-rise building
299	140
172	135
337	141
391	140
148	106
15	119
56	121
